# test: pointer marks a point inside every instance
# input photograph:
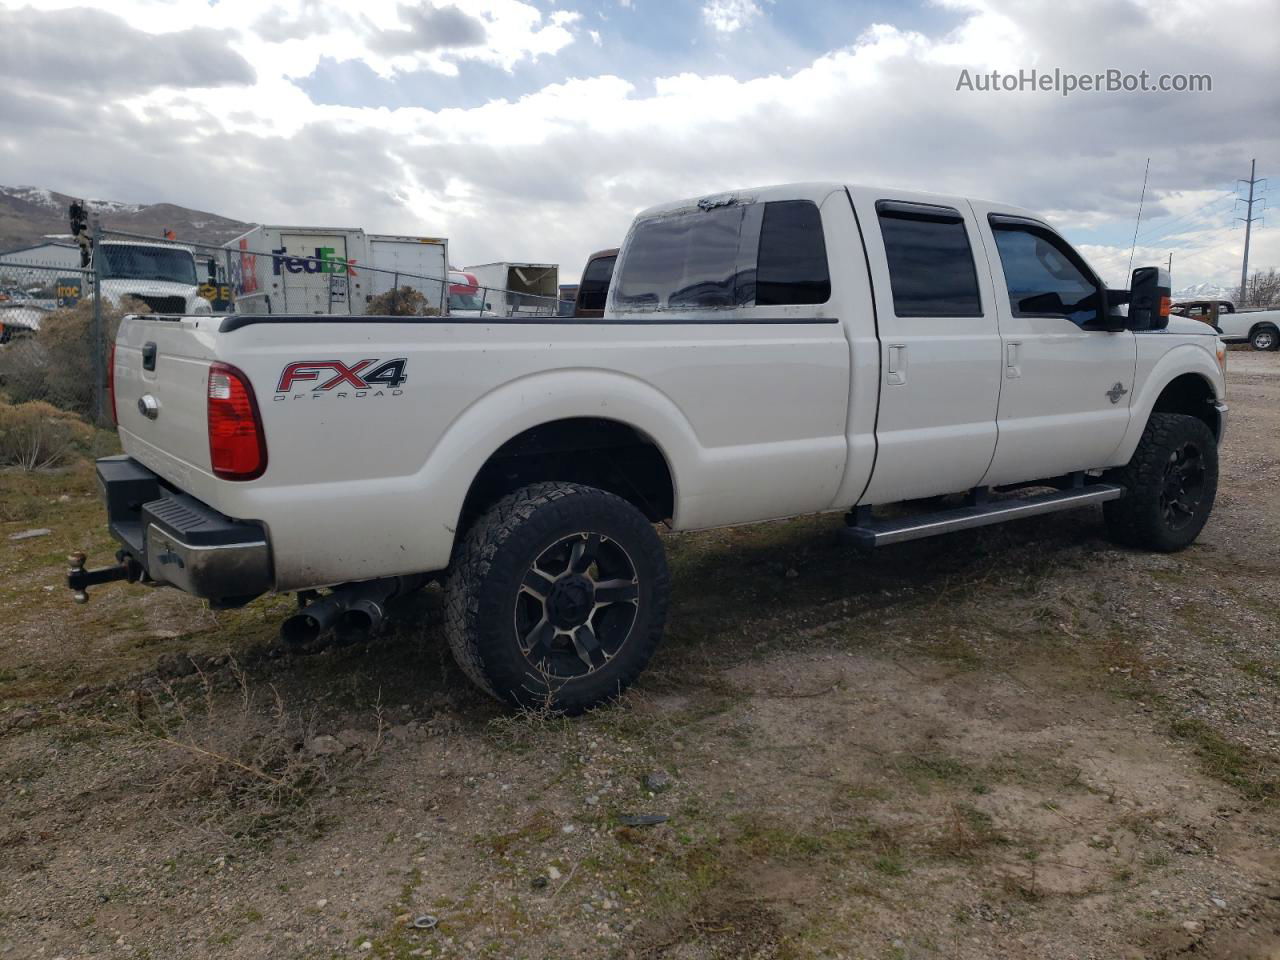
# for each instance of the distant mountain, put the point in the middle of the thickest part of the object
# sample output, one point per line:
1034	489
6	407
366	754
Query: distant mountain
1205	291
29	215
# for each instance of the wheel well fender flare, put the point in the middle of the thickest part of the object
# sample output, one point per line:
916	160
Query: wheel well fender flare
1183	361
516	406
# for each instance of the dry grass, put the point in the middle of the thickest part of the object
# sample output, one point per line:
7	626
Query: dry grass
228	757
37	435
57	365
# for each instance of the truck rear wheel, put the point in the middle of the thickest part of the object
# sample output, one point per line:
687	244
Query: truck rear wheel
1171	483
557	597
1265	338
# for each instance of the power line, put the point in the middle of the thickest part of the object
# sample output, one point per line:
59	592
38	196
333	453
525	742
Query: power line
1163	228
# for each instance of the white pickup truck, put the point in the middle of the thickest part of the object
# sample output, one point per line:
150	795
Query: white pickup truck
1258	328
765	353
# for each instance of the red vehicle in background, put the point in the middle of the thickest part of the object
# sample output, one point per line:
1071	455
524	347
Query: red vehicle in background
466	298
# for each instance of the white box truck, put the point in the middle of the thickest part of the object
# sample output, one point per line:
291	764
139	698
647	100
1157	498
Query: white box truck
300	270
511	289
418	262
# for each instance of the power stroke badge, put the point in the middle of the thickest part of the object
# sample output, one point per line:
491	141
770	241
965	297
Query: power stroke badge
314	379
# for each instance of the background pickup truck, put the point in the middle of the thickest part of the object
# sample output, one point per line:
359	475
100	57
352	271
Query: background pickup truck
1259	328
762	354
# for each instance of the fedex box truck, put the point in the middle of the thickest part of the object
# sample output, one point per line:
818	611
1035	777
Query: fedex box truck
307	270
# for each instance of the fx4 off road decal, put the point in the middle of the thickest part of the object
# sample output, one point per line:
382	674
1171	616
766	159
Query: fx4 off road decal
334	378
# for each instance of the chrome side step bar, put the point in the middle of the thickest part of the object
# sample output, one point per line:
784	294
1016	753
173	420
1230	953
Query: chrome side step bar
873	533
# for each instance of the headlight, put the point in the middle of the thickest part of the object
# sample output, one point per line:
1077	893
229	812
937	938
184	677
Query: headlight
1222	357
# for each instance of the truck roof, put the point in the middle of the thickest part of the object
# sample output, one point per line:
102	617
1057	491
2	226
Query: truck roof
293	229
404	237
145	243
811	190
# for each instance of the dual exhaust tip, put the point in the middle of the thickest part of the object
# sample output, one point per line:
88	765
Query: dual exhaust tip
352	613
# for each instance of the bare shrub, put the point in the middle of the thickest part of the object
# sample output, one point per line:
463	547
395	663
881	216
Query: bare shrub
38	435
223	756
56	364
401	302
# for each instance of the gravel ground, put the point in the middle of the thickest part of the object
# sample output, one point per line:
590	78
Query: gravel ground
1021	742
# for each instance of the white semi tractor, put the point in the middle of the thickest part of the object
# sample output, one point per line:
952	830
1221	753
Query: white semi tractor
161	275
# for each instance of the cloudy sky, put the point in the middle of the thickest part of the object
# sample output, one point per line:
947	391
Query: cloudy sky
534	129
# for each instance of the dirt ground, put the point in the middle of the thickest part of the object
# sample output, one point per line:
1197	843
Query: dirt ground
1019	742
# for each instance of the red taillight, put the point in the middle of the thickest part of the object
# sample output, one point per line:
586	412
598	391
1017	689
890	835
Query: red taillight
111	381
237	445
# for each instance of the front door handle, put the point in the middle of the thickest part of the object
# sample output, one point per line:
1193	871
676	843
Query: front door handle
897	367
1012	359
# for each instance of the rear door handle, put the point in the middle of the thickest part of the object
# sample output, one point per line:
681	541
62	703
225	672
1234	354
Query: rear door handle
897	367
1012	358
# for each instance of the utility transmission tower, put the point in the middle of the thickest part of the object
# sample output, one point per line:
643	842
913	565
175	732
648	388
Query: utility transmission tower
1248	219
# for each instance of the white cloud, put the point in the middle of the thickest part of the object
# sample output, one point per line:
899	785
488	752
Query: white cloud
728	16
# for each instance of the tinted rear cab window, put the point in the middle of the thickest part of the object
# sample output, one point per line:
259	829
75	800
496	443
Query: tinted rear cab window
931	268
736	255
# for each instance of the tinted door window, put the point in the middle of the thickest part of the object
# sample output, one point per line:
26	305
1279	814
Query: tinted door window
792	262
595	283
931	266
1044	276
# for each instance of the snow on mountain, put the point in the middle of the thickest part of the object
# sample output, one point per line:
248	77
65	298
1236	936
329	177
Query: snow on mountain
1204	291
38	196
30	214
112	206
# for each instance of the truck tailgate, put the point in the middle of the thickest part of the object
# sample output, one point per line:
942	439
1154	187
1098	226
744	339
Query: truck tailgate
161	380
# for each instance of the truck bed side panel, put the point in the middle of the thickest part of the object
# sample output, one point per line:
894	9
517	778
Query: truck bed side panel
369	482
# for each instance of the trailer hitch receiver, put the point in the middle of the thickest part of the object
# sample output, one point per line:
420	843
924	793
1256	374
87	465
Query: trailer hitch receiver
80	580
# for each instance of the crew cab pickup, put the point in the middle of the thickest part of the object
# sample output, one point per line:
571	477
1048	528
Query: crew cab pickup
762	354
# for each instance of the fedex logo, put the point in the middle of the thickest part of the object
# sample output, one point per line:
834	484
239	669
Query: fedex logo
326	260
325	376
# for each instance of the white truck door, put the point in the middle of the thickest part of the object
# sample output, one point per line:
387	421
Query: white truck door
939	345
1066	381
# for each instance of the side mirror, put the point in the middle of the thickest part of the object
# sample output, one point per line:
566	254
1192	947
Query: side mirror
1149	299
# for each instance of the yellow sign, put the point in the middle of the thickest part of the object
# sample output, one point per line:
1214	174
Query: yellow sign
215	291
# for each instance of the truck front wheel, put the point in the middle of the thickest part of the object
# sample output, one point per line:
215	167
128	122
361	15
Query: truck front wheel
557	597
1171	482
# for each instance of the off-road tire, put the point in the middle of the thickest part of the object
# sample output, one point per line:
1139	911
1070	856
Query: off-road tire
1140	518
492	560
1265	338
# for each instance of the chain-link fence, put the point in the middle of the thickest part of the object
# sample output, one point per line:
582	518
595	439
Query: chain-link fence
49	322
57	321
